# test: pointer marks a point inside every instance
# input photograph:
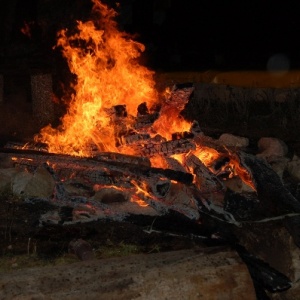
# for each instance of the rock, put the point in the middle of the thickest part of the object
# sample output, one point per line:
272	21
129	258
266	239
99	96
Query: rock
6	176
82	249
293	168
279	165
233	140
271	148
41	184
20	182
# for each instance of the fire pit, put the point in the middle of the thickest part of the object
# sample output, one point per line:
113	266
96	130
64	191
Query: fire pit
124	155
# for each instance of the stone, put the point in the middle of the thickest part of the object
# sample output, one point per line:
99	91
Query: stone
231	140
6	176
271	148
293	168
41	184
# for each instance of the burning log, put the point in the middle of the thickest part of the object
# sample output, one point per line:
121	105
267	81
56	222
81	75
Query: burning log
206	182
145	119
104	167
122	158
74	182
168	148
172	163
275	197
180	95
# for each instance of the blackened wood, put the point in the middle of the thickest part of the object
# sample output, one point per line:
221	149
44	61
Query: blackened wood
275	197
206	181
130	159
243	206
292	224
35	158
263	274
167	148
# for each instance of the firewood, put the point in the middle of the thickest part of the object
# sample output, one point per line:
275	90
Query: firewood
31	159
185	274
275	197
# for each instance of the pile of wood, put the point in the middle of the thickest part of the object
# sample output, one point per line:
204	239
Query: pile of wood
212	202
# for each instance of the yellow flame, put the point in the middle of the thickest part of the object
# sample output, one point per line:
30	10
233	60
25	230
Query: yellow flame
105	62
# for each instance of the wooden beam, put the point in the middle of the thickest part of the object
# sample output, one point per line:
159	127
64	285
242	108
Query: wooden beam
214	273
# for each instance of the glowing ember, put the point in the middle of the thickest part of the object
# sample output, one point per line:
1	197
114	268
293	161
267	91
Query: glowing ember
105	62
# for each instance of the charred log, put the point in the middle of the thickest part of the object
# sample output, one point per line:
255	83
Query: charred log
32	159
168	148
263	274
275	197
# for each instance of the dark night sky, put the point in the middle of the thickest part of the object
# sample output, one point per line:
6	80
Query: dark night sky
186	34
229	34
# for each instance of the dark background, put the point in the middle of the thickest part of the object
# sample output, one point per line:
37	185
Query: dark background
179	35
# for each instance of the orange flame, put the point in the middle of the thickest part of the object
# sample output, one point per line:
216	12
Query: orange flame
26	30
241	171
108	74
105	62
207	155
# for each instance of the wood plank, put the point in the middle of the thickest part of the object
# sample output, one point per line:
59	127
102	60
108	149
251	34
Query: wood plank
213	273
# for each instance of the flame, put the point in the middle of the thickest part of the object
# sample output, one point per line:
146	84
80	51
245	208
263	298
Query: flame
138	201
105	62
207	155
170	120
26	30
241	171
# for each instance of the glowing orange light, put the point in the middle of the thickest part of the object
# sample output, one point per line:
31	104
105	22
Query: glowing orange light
105	62
108	74
207	155
26	30
138	201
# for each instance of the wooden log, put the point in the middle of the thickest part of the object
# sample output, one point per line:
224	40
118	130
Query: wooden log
123	158
73	181
168	148
35	158
180	95
277	248
274	196
216	273
206	181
